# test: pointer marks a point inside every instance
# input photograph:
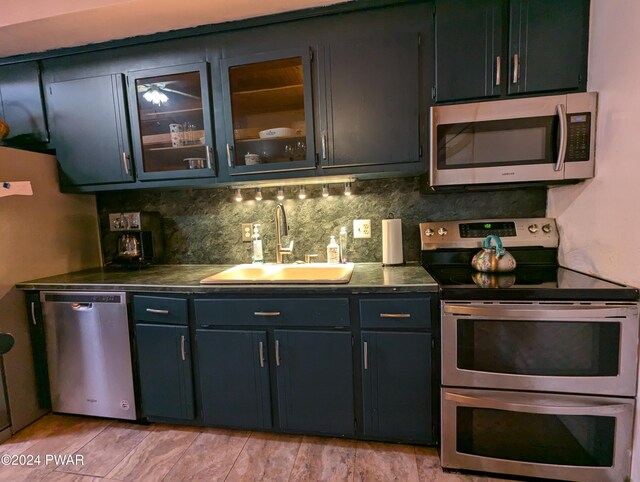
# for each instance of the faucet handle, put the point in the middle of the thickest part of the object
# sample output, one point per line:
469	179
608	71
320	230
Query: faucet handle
288	250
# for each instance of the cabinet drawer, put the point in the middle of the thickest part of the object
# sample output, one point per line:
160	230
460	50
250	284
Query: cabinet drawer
158	309
396	313
275	312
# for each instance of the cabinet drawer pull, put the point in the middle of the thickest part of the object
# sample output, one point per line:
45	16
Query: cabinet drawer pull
229	160
266	313
261	350
184	357
33	313
516	67
277	353
366	355
125	163
395	315
498	70
158	312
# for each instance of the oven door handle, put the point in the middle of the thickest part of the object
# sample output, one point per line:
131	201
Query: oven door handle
539	312
577	409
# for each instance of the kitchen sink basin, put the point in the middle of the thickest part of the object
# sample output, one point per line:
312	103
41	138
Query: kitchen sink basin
283	273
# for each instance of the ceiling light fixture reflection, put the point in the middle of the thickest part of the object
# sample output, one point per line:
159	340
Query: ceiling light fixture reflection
303	193
258	194
237	196
155	97
325	190
280	195
347	189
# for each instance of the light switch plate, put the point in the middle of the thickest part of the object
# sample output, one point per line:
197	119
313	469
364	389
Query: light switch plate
361	228
247	232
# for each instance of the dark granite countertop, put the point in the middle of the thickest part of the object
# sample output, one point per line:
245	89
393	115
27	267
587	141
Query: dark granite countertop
185	279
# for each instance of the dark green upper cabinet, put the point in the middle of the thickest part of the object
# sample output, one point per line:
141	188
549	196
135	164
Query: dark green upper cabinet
548	45
89	130
22	106
491	48
372	109
468	49
268	112
171	122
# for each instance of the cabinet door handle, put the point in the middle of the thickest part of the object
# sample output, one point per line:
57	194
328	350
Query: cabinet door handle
266	313
261	350
395	315
33	313
324	145
277	353
184	356
366	355
498	70
158	312
229	160
125	163
208	150
516	68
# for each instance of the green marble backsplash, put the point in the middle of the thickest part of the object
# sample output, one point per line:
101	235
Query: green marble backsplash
203	225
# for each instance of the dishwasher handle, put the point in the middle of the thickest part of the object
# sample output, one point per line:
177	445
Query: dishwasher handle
82	306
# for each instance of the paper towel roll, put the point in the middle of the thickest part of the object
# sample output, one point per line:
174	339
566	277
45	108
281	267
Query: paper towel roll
392	242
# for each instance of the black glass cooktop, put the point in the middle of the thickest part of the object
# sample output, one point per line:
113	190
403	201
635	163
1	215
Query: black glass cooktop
527	282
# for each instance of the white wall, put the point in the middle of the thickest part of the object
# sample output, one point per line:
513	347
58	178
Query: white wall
599	219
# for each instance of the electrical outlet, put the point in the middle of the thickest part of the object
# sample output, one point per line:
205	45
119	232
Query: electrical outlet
361	228
247	232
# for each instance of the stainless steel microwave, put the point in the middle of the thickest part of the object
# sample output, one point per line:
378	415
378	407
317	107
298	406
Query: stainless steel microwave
535	139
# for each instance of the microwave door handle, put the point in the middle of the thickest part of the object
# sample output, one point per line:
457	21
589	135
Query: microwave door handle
562	151
582	409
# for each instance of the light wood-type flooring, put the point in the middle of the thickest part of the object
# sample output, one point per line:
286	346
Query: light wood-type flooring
104	450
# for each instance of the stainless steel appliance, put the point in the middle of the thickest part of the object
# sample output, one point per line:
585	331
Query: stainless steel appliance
539	366
550	138
88	353
138	239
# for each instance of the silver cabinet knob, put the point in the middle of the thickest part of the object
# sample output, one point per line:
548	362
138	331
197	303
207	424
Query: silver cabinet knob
533	228
442	231
429	232
546	228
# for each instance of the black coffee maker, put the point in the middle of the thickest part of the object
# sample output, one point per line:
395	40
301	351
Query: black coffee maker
134	239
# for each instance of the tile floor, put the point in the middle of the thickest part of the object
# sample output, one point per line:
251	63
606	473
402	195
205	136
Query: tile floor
112	450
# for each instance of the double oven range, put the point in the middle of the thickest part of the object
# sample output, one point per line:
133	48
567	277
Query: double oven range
539	366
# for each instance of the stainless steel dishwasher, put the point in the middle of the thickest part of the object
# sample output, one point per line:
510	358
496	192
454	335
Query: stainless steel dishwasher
88	353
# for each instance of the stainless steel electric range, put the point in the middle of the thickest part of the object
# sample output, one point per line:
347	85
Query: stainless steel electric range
539	366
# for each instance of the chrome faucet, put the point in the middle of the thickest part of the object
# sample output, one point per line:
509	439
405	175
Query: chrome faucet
281	230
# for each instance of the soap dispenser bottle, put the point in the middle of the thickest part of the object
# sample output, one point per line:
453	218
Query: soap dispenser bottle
343	244
333	251
256	246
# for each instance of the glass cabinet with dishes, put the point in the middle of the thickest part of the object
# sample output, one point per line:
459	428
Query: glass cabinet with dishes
268	112
171	122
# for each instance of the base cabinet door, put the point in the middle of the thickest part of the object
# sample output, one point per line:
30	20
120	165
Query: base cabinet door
234	378
315	381
396	386
164	364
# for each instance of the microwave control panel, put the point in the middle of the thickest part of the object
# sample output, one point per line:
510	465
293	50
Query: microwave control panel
578	136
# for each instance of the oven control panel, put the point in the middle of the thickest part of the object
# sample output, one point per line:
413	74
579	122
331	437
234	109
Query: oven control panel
533	232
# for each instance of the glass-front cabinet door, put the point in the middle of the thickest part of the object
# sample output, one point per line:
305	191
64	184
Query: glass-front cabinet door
171	122
268	112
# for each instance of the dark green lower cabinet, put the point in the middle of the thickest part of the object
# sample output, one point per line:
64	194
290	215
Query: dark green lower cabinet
396	385
315	381
234	378
164	363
